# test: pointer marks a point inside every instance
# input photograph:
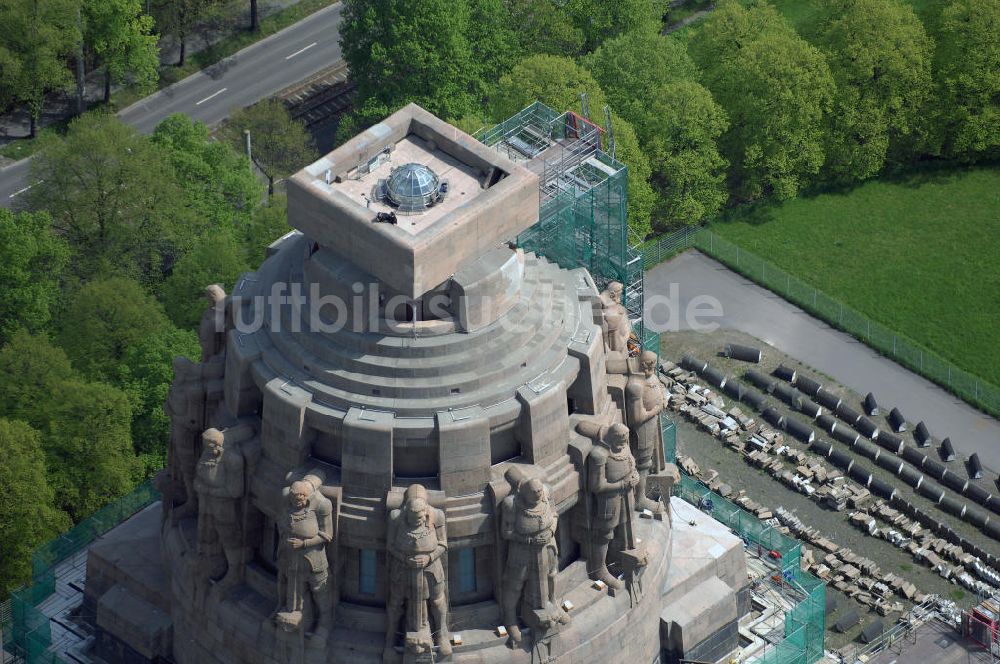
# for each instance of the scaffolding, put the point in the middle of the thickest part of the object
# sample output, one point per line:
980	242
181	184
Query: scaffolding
582	200
802	639
25	620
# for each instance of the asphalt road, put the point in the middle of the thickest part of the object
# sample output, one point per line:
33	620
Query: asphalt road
747	307
254	73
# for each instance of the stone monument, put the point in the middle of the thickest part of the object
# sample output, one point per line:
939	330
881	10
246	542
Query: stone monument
407	440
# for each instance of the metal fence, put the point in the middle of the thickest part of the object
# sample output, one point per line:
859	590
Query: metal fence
892	344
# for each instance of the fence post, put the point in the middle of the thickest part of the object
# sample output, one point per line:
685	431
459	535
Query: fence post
921	360
894	345
840	317
814	298
737	255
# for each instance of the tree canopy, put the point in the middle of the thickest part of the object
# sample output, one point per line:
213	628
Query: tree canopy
880	58
775	88
280	145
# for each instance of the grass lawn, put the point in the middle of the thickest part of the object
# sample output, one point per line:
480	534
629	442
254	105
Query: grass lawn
920	254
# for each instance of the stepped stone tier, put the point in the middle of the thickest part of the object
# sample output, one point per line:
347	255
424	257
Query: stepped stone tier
408	440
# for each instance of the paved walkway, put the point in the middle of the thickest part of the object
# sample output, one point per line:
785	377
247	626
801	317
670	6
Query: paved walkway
749	308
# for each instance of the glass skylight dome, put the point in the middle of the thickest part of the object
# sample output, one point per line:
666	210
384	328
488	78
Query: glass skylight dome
413	187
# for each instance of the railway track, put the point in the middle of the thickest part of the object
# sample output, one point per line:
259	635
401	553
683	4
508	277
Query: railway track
321	98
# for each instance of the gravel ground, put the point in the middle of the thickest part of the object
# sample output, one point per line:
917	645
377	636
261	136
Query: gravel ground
709	452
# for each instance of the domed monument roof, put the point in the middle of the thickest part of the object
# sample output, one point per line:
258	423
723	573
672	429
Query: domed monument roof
413	187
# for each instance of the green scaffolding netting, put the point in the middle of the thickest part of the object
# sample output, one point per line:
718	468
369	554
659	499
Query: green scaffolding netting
26	629
805	624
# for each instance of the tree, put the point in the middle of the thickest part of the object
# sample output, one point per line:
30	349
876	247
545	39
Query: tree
122	37
32	260
628	67
880	58
601	20
27	516
402	51
36	39
103	320
679	135
215	178
178	18
969	75
494	45
641	197
269	223
217	258
543	27
88	447
775	89
84	427
112	196
279	144
554	80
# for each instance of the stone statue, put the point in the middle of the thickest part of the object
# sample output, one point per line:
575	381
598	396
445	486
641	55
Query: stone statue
645	399
306	531
417	541
185	406
212	328
611	481
220	484
528	524
617	327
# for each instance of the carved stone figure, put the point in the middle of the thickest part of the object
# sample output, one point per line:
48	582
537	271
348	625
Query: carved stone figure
528	524
611	481
417	541
185	406
212	328
220	484
617	327
306	531
645	399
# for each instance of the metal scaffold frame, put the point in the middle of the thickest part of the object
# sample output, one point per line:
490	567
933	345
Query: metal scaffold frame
582	199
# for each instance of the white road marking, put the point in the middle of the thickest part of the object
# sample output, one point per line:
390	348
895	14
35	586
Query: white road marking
214	94
21	191
301	50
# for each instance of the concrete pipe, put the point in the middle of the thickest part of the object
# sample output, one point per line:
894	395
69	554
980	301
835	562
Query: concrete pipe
808	385
841	459
785	373
993	504
774	418
911	476
975	467
821	448
848	414
882	489
827	422
914	456
845	435
993	529
931	491
861	475
692	363
799	431
714	377
947	450
785	392
976	516
809	408
759	380
744	353
871	406
953	506
934	468
734	389
827	399
954	481
977	494
897	421
891	463
864	448
867	428
922	435
754	399
890	441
